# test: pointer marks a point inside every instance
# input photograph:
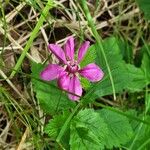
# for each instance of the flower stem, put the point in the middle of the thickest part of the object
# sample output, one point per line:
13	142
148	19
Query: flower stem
99	42
64	127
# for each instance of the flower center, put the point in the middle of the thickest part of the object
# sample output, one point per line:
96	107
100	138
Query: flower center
72	67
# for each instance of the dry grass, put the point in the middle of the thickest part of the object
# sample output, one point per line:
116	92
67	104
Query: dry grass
17	98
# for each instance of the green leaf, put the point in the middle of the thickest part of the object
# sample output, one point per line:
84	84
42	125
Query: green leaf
85	83
118	70
88	131
126	50
141	138
125	76
112	51
54	126
120	130
138	78
146	66
89	57
51	99
144	5
116	64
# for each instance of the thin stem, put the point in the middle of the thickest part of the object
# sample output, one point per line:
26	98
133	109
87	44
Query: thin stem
64	127
99	42
34	33
144	144
4	25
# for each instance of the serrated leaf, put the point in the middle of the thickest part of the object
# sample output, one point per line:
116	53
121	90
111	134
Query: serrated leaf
50	97
126	50
141	138
117	66
124	75
54	126
138	78
93	130
120	130
112	52
82	138
118	71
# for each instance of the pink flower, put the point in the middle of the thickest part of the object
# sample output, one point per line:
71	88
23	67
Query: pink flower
68	73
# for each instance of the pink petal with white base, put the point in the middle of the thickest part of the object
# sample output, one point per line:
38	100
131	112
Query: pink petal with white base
69	48
75	88
58	52
63	81
92	72
51	72
82	50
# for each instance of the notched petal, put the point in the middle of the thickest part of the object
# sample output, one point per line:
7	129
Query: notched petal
75	88
63	81
92	72
58	52
82	50
51	72
69	48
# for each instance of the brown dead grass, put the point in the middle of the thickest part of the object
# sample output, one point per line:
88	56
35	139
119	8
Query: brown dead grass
116	17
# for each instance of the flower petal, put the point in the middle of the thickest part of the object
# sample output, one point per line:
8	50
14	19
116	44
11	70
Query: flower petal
58	52
64	81
82	50
51	72
75	88
92	72
69	48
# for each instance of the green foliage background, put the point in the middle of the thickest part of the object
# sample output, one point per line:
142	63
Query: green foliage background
106	128
102	128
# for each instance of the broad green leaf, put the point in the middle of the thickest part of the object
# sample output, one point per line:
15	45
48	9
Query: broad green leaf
120	130
138	78
118	71
112	52
141	137
88	131
125	76
141	75
118	68
54	126
144	5
83	138
49	96
126	50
